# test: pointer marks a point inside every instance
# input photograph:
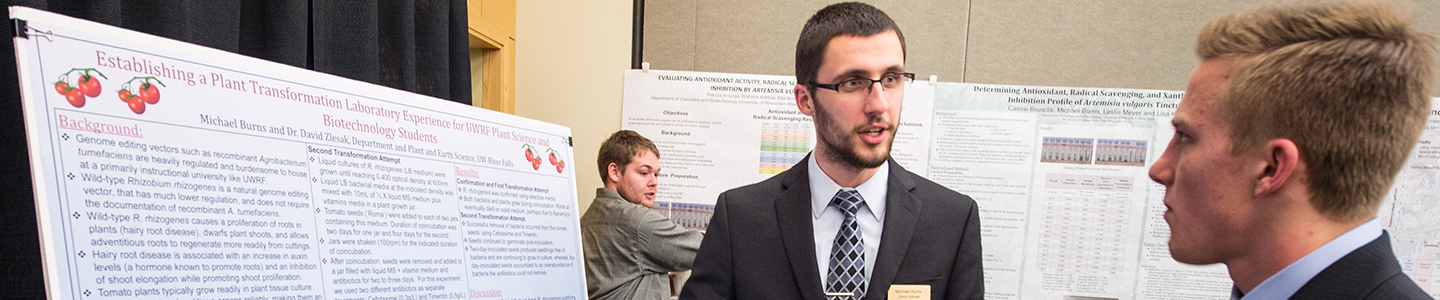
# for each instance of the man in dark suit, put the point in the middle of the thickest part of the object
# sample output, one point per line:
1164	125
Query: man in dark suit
846	222
1288	137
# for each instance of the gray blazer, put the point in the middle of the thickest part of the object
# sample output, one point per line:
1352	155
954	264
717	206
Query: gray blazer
760	243
629	249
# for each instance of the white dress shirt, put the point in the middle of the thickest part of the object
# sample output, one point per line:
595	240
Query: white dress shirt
1285	283
827	218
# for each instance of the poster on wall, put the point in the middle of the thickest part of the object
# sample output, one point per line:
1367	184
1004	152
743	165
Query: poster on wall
168	170
1060	174
1410	211
1066	203
1085	221
718	131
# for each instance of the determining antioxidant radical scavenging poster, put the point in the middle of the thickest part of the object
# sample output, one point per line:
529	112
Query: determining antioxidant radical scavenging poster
168	170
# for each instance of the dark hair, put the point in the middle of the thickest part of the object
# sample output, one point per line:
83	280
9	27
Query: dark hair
620	148
849	18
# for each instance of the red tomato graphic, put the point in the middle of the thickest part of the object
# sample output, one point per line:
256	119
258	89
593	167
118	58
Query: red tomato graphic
89	85
125	96
136	105
149	93
76	97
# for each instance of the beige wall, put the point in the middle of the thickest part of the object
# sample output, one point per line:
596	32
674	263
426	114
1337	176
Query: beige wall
569	70
1143	44
758	36
572	54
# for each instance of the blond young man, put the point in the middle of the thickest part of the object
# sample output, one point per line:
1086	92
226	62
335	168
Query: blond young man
629	248
1289	135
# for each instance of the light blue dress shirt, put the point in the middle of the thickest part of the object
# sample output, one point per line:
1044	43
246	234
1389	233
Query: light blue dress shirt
870	217
1290	279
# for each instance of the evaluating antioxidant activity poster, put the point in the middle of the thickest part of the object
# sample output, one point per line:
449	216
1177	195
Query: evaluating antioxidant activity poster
168	170
718	131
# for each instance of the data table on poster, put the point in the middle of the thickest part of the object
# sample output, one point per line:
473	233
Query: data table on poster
782	145
1084	223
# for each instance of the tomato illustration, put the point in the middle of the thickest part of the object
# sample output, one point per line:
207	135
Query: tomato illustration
62	87
76	97
125	96
89	85
535	164
552	158
149	93
136	105
86	86
560	167
529	155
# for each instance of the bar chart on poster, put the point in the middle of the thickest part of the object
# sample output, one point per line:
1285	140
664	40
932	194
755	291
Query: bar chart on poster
1060	174
169	170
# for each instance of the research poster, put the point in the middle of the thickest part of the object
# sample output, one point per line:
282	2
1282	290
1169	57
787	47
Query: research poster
164	170
1067	208
1411	210
718	131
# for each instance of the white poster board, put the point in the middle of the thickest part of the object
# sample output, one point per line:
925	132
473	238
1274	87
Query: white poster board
1060	174
1410	212
1066	206
228	177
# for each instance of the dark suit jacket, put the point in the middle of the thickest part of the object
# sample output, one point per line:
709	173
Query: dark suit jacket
761	245
1370	272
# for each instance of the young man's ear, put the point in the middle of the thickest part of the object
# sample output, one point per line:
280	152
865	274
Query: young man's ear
804	101
1282	161
614	171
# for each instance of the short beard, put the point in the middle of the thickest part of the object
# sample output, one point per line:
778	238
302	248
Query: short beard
833	141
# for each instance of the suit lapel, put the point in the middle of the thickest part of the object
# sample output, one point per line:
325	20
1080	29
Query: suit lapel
902	210
792	207
1355	275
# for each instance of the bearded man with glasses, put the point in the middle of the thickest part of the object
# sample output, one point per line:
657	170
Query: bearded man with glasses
846	222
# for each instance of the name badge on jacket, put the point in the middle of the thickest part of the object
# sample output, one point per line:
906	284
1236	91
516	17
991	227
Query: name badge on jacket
909	292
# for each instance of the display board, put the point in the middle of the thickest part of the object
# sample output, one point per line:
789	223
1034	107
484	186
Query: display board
1411	210
718	131
1066	205
168	170
1060	174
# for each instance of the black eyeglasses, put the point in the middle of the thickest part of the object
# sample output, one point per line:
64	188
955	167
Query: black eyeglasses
890	81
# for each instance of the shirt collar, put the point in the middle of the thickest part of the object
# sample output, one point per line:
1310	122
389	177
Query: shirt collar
1285	283
822	189
606	193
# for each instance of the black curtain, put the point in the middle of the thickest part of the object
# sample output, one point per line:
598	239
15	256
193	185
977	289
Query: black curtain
414	45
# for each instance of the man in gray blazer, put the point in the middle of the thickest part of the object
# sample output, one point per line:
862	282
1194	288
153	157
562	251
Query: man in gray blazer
1287	140
846	222
629	248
